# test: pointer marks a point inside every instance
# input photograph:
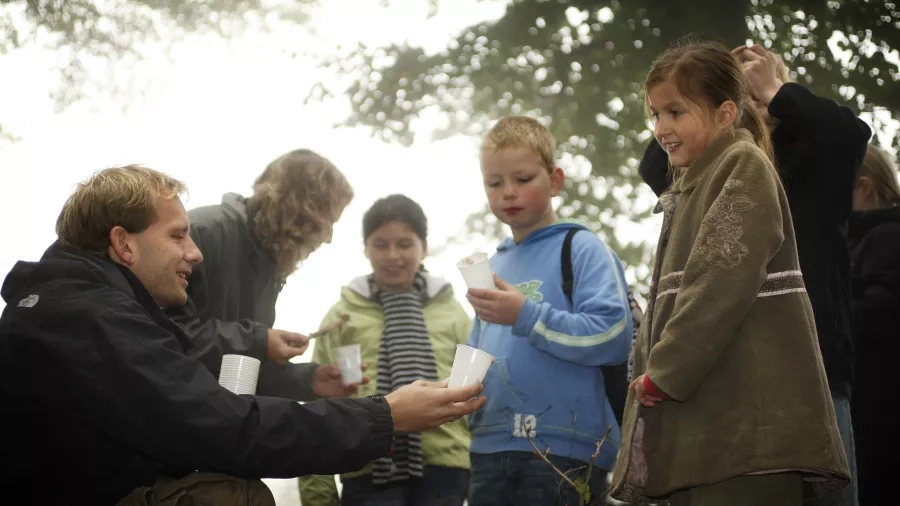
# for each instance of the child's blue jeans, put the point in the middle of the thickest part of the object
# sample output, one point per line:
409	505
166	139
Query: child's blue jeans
523	479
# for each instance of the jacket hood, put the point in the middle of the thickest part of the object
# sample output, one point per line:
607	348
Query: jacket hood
236	204
560	227
61	263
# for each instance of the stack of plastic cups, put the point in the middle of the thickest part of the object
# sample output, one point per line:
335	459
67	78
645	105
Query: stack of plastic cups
239	374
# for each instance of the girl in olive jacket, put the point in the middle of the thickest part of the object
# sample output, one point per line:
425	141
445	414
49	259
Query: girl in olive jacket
730	404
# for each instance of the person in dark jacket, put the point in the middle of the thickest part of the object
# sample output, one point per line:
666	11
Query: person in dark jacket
874	240
819	146
250	246
101	399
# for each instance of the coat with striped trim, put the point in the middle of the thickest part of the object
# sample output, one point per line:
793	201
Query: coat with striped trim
729	336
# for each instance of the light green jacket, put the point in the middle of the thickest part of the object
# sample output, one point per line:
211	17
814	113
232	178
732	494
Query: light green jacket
448	325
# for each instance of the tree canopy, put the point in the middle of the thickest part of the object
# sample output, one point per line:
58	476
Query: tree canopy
579	66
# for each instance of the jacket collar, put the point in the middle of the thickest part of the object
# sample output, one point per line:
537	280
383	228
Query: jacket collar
698	169
861	222
120	278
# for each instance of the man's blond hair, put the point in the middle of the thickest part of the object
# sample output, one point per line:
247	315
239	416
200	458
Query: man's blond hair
124	196
522	132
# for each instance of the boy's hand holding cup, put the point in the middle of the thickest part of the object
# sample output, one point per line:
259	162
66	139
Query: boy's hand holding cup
494	300
476	271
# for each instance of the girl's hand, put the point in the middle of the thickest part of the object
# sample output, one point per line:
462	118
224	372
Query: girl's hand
643	397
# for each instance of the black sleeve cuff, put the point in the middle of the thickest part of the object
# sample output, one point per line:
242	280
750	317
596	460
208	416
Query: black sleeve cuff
259	347
383	425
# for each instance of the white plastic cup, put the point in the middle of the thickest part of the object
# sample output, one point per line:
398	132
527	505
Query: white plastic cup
476	271
470	365
349	361
239	374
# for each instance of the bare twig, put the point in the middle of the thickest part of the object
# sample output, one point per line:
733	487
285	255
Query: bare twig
597	451
335	325
543	457
590	467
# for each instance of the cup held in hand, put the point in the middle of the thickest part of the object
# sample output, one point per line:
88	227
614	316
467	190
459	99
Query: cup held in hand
239	374
470	365
476	271
349	362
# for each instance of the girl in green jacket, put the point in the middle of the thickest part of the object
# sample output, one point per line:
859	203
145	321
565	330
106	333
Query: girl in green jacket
408	324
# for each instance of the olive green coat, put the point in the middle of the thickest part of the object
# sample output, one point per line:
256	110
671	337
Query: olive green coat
729	336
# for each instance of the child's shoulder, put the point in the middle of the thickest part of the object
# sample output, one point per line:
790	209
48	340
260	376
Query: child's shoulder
588	245
745	148
744	156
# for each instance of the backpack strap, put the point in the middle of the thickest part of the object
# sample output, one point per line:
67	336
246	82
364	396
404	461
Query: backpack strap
615	377
568	276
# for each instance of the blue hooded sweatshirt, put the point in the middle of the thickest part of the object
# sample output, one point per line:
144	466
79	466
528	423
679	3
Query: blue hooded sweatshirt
547	373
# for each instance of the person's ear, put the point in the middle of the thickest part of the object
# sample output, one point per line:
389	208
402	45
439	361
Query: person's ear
726	114
122	246
557	181
866	189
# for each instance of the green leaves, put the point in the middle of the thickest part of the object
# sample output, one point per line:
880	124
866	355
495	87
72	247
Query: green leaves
579	66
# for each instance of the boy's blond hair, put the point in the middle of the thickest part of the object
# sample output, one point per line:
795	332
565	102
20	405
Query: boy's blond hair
522	132
124	196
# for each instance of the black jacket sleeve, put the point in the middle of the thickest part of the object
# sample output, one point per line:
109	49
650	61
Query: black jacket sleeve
654	168
832	132
289	381
211	338
118	371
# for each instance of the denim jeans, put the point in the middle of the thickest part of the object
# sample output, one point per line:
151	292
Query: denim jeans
847	495
523	479
439	486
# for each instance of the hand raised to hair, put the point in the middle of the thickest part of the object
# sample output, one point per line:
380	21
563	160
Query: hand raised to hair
760	68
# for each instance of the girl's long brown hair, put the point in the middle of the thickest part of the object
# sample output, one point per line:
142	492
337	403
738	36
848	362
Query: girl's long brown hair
707	74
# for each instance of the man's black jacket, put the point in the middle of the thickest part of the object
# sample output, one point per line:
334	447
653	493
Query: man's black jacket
99	396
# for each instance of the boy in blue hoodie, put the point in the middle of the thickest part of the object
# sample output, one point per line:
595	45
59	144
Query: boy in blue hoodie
546	384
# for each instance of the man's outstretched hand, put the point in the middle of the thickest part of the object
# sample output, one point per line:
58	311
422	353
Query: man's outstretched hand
424	405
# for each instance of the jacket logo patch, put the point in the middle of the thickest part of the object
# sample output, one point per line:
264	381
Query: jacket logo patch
530	289
29	301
